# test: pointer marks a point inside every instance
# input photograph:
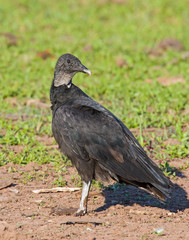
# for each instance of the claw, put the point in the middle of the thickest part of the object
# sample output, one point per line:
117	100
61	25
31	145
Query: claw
80	212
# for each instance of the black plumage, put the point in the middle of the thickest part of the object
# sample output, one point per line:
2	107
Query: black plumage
97	142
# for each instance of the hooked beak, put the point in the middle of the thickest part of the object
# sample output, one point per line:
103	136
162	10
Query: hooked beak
86	70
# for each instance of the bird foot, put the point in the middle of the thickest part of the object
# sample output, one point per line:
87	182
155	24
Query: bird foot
80	212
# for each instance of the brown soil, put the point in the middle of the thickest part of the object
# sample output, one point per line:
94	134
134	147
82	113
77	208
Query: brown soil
121	212
164	45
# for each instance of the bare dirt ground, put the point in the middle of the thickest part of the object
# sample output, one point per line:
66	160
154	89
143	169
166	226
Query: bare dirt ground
121	212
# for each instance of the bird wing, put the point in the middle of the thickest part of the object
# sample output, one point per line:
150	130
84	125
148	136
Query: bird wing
94	132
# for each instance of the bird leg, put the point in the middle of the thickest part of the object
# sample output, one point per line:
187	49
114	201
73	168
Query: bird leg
84	196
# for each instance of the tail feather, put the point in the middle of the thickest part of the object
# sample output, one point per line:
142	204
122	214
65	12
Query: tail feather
155	189
157	193
159	190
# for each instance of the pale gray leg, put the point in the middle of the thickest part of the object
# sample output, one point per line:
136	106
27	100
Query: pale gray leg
83	203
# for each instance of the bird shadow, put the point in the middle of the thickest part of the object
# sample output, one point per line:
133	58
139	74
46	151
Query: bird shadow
128	195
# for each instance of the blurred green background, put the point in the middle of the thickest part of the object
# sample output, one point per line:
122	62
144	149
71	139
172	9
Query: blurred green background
138	52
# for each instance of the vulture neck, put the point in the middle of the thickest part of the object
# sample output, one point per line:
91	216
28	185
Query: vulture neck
63	79
62	94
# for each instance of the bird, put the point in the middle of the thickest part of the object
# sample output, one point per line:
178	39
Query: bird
98	144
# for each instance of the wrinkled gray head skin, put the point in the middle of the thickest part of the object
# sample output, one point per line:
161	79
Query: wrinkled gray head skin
66	67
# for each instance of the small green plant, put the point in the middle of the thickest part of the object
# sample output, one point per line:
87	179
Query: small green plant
177	151
167	169
97	184
60	182
76	179
185	166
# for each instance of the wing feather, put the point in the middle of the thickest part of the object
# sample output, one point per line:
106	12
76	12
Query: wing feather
95	133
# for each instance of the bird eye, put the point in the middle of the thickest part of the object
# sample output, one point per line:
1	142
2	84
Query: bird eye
68	61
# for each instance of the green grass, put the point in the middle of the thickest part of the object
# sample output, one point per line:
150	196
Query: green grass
111	31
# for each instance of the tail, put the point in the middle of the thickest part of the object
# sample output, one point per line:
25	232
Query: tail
158	191
161	192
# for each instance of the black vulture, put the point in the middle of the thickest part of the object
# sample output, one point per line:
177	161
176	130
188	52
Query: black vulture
98	144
